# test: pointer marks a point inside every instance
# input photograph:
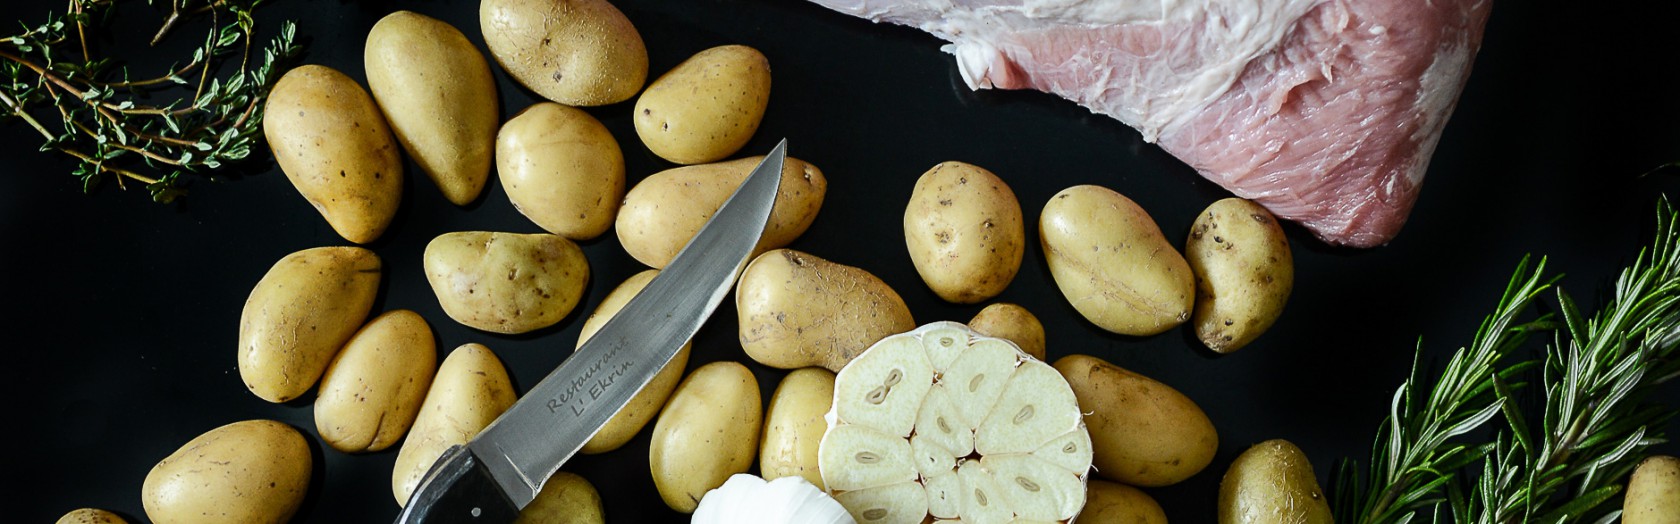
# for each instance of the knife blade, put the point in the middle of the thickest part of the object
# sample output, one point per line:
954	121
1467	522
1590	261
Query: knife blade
502	469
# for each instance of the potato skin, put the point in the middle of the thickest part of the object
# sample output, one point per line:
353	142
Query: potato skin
373	389
91	516
1272	483
707	107
641	409
333	144
1013	323
300	314
1653	492
664	211
964	230
798	310
562	169
435	89
251	471
707	432
1112	263
794	425
565	499
575	52
1114	502
1244	273
1143	433
506	282
470	391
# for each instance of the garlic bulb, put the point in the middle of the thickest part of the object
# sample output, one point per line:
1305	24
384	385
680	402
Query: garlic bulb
944	422
748	499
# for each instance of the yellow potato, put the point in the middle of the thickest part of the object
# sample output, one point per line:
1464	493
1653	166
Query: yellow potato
1013	323
664	211
91	516
332	143
436	91
1143	432
707	107
1112	502
565	499
707	432
1653	492
797	310
505	282
254	471
1112	263
794	425
373	389
1244	272
470	391
576	52
299	315
964	231
646	404
562	169
1272	483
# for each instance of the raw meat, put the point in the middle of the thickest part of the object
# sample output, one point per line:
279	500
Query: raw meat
1324	111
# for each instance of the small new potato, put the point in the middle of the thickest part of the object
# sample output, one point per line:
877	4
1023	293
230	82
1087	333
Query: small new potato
471	389
91	516
299	315
565	499
1272	483
707	432
1013	323
798	310
333	144
435	89
506	282
255	471
707	107
576	52
1113	264
664	211
1114	502
964	231
1143	433
1653	492
562	169
646	404
794	426
1244	272
373	389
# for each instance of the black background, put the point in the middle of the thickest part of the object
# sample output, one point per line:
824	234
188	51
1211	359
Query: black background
122	314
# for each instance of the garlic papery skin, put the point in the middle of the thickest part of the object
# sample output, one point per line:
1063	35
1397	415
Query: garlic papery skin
748	499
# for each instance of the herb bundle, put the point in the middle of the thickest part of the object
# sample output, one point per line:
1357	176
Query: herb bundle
91	108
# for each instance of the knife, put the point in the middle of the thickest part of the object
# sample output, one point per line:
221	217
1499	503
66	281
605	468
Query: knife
501	470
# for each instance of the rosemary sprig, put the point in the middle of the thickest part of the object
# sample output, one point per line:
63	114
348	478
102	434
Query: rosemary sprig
89	108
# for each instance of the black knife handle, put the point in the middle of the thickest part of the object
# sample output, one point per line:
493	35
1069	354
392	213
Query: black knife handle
458	490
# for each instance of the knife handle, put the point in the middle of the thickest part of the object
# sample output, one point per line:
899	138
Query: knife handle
458	490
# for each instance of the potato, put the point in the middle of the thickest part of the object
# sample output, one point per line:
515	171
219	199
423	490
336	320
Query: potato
562	169
299	315
1111	502
334	145
646	404
91	516
1272	483
252	471
470	391
707	432
1244	273
565	499
963	229
1653	492
1143	432
794	425
373	389
576	52
798	310
1013	323
435	89
1112	263
707	107
506	282
664	211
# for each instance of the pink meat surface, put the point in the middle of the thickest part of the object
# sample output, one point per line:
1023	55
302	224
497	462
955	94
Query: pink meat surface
1324	111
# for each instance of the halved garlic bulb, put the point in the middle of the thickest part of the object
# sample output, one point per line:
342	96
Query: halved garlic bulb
944	422
748	499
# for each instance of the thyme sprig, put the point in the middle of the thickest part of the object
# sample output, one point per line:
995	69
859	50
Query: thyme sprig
92	109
